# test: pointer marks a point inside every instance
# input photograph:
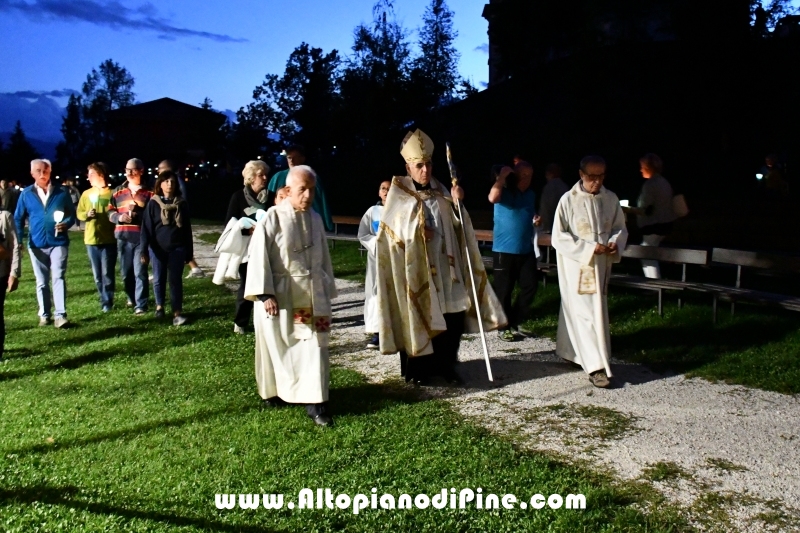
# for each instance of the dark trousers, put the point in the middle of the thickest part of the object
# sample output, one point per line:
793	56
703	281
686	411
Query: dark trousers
508	270
244	308
168	266
103	258
444	358
134	273
3	289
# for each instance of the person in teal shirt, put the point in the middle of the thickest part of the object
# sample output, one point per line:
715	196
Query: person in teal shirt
296	155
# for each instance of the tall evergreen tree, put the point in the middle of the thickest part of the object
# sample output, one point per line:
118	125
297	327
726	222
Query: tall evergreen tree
435	75
18	155
85	125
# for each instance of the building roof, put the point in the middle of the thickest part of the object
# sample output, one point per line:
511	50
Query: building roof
167	108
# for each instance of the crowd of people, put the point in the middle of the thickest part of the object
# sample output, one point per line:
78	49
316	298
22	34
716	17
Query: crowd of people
426	282
132	225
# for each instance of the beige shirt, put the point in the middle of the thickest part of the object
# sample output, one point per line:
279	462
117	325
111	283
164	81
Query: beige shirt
8	240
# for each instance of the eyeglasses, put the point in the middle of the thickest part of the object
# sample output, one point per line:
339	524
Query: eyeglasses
595	177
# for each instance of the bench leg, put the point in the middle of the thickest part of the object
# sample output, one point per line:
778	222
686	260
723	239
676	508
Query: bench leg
733	308
680	303
660	302
714	309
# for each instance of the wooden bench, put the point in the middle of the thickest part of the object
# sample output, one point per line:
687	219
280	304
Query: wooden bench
680	256
741	259
336	236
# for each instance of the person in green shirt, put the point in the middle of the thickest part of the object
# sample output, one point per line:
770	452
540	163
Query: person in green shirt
94	207
296	155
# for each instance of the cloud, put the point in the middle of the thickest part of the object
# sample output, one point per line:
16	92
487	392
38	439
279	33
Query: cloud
111	14
63	93
484	48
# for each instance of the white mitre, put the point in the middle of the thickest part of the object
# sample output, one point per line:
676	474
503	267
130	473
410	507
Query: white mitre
417	147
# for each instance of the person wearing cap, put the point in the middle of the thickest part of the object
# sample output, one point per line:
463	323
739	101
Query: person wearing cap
166	165
425	298
296	155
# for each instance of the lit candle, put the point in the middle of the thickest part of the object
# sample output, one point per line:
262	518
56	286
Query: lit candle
58	216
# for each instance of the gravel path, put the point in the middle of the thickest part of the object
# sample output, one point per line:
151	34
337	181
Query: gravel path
727	454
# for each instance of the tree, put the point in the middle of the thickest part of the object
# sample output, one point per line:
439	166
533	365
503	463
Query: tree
435	74
297	106
767	13
206	103
85	126
19	154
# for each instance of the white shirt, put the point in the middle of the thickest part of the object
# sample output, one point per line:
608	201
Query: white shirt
44	194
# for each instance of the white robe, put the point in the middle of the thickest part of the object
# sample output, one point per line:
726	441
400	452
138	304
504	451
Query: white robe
367	231
289	259
583	220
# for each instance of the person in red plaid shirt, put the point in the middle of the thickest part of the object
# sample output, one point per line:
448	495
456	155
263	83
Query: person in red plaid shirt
130	199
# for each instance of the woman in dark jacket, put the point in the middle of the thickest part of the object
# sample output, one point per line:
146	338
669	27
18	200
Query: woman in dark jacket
167	234
244	204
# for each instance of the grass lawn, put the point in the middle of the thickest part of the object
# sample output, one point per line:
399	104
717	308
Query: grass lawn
125	423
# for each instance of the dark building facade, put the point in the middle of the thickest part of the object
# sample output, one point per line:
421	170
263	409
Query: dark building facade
524	35
164	129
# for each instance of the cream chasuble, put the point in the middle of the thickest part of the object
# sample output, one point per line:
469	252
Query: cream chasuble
417	281
289	259
367	231
582	221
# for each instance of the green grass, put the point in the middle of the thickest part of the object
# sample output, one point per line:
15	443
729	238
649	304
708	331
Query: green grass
210	237
756	347
348	263
124	423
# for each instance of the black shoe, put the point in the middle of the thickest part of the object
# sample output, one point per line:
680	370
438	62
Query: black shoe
374	342
323	420
453	379
421	382
273	403
159	313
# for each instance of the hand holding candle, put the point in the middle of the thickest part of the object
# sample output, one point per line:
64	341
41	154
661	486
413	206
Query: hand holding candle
58	216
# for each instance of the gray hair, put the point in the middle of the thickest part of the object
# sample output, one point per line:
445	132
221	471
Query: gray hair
300	169
591	160
137	163
45	161
250	169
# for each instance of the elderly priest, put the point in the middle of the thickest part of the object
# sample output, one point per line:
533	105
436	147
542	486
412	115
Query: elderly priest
290	273
424	298
589	235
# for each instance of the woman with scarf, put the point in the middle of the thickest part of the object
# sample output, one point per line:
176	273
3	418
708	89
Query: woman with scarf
243	205
167	234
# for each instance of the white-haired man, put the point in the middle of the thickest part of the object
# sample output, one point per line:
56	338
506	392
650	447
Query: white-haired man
289	271
49	212
589	235
425	299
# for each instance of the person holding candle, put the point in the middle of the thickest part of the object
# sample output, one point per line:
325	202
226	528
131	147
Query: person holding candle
130	199
167	234
48	242
96	208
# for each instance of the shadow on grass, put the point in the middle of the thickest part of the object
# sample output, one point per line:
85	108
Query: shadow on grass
68	496
141	429
67	364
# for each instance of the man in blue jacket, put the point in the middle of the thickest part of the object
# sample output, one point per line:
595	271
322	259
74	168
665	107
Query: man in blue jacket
41	205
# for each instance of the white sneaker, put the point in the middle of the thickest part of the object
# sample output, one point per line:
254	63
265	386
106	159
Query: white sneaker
239	330
60	322
195	273
179	320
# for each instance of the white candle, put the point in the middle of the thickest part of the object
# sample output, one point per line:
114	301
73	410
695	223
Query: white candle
58	216
624	203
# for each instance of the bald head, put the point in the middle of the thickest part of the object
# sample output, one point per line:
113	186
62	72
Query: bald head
301	183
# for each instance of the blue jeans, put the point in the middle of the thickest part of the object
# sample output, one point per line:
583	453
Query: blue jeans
134	273
168	265
104	259
50	264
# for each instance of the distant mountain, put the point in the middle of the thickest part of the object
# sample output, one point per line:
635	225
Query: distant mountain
40	114
46	148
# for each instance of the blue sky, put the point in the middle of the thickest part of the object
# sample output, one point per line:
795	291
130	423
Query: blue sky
190	50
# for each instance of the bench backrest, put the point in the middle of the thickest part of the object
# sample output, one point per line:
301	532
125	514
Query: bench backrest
743	258
346	220
668	255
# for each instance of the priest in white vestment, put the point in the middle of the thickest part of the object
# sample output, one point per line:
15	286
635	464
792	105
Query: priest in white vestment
424	293
367	232
589	236
290	274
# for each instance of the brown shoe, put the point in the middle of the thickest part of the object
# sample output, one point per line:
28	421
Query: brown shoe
599	379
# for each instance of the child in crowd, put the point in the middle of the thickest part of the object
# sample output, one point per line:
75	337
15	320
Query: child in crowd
167	235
